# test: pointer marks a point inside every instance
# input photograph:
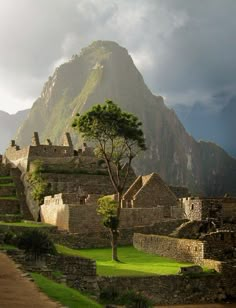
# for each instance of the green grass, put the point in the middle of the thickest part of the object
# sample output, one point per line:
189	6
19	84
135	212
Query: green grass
7	247
26	223
8	198
133	262
6	177
65	295
7	184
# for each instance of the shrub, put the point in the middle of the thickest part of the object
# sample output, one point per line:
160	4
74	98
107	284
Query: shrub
10	238
39	185
36	243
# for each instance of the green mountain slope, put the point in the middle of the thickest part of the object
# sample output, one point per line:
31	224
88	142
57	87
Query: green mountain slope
105	70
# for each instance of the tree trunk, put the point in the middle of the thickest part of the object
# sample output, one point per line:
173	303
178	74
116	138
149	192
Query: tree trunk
114	244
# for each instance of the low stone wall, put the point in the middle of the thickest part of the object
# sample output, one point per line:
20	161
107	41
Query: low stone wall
171	289
102	238
80	272
179	249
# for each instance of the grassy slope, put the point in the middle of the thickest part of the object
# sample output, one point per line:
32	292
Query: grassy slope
25	224
133	262
65	295
9	198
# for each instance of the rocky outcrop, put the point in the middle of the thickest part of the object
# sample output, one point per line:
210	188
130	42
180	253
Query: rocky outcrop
105	70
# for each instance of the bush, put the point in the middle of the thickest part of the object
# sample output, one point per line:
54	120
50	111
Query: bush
36	243
10	238
132	299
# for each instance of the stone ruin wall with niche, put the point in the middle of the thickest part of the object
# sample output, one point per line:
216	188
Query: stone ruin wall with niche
21	158
204	208
83	218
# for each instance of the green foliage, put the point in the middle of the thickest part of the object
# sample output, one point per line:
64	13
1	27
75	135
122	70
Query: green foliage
117	135
107	208
36	243
68	297
38	184
10	238
129	298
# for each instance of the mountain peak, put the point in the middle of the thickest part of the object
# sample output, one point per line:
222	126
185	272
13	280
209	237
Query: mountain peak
105	70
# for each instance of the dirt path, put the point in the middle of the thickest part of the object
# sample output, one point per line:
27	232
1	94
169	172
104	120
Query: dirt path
17	291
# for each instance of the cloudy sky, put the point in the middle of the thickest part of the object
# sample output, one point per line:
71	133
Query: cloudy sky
185	49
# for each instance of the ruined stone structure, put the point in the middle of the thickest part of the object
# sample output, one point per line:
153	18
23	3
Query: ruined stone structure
77	213
218	209
21	158
150	191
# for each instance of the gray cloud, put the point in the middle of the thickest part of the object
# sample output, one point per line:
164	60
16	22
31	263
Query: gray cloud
184	48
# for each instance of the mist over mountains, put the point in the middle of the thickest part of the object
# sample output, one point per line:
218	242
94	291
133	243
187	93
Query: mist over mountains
217	125
104	70
9	123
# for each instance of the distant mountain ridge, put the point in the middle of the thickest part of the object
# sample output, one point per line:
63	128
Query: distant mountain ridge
9	123
218	126
105	70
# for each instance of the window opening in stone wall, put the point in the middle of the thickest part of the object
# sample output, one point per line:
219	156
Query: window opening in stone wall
81	201
192	207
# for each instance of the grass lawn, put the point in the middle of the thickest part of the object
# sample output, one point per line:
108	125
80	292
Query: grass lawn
25	223
6	177
7	184
9	198
65	295
133	262
7	247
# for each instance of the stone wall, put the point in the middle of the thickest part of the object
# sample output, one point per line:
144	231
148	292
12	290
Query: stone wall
201	208
102	238
9	207
149	191
44	150
17	157
59	218
179	249
171	289
214	246
77	218
219	245
80	272
229	209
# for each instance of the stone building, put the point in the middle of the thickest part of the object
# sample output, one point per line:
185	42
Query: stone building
77	213
218	209
148	201
150	191
21	157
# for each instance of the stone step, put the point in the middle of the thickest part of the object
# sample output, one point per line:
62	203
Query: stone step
5	179
11	217
7	191
9	206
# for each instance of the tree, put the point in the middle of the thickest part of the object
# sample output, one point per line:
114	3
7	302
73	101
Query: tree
36	244
118	139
